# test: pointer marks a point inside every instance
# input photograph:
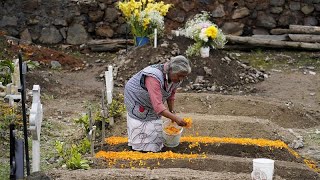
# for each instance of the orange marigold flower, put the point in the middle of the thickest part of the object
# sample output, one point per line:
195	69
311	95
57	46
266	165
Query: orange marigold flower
188	121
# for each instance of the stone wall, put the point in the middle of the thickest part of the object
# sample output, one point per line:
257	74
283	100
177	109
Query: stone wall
77	21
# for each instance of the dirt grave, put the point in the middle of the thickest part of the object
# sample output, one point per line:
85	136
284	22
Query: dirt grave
282	104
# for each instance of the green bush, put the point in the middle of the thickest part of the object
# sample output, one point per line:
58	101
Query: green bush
72	157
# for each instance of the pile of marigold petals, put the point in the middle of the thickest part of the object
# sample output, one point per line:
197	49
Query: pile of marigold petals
172	130
134	155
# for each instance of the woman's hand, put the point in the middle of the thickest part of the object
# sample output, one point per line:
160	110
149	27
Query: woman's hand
180	121
166	113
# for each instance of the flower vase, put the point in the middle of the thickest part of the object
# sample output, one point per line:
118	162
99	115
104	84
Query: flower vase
205	51
140	41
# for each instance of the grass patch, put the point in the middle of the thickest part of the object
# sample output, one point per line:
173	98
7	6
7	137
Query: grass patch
285	60
5	170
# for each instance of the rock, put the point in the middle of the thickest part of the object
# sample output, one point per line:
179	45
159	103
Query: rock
55	65
60	22
104	31
176	15
111	14
310	21
208	71
240	13
297	143
95	16
50	35
25	36
233	28
198	79
9	21
77	34
218	11
307	9
277	2
187	5
294	5
264	20
276	10
312	73
38	176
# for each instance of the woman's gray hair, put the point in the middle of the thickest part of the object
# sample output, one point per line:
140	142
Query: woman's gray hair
179	64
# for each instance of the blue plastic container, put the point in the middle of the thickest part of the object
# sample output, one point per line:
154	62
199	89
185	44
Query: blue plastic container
140	41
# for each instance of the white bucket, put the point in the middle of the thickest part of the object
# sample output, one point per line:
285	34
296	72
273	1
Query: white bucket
171	140
262	169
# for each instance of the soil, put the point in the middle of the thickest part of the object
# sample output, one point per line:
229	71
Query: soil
282	102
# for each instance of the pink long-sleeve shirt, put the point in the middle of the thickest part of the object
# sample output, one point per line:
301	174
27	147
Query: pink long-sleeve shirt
154	90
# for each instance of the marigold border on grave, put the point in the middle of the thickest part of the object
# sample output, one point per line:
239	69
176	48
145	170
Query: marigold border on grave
194	141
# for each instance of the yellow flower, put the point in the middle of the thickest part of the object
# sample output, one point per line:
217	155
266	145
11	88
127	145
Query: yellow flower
136	13
146	22
211	32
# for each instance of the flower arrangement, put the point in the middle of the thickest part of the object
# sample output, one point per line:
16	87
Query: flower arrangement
144	16
204	32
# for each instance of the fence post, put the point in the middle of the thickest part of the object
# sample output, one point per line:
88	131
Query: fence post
109	90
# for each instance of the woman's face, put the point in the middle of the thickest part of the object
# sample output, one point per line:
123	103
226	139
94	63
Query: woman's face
177	77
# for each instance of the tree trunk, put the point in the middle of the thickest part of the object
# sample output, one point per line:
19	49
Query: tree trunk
283	37
272	43
297	29
304	37
109	41
108	44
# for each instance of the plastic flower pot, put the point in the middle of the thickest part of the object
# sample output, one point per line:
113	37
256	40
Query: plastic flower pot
141	41
205	52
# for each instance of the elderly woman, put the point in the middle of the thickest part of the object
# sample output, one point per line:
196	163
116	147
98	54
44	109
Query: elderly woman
144	96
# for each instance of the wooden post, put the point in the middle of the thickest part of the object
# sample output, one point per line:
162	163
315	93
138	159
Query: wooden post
103	128
109	90
155	38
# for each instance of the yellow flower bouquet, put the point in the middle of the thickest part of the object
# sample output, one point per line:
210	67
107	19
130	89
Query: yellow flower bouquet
204	32
144	16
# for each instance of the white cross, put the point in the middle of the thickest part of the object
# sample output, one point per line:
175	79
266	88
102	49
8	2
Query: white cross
35	120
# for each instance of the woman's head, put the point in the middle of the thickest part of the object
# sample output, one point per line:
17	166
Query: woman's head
179	68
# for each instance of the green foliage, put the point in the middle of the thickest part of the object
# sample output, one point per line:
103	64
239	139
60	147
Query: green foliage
5	170
75	160
8	115
193	50
84	121
72	157
84	146
6	70
117	107
33	64
60	148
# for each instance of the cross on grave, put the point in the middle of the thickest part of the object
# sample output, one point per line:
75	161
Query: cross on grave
12	89
109	89
35	120
15	76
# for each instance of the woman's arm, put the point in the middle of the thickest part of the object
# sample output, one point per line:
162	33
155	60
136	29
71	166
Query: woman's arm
153	87
173	117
